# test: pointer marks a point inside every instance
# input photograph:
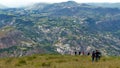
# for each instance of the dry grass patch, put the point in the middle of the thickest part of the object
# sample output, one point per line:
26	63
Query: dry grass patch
59	61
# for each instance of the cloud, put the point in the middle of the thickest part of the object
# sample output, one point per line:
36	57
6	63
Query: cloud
18	3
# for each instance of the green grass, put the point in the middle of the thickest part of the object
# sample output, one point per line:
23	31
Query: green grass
59	61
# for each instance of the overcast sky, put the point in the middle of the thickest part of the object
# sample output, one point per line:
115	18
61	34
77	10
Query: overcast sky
18	3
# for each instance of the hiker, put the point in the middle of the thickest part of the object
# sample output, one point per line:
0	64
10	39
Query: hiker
88	53
75	53
98	55
93	56
79	53
83	53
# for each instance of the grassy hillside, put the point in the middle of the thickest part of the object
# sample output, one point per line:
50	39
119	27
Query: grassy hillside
59	61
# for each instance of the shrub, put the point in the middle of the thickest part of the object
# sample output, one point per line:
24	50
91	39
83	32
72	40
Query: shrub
21	62
31	58
46	64
8	61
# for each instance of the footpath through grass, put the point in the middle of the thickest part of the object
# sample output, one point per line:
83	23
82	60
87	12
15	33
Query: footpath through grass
59	61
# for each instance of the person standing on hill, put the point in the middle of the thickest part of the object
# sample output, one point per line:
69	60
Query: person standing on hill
98	55
93	56
75	53
79	53
88	53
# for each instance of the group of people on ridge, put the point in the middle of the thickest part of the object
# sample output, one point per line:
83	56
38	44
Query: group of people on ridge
95	55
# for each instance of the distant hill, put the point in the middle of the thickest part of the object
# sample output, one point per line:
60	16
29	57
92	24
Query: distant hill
2	6
36	6
62	28
106	5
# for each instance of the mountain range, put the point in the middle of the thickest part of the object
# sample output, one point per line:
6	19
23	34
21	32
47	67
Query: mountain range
59	28
106	5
